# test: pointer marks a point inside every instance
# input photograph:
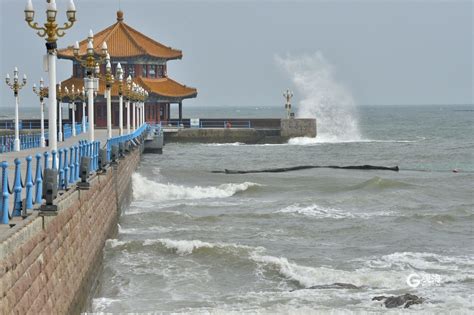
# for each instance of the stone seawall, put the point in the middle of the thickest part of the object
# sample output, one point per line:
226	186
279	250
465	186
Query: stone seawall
48	263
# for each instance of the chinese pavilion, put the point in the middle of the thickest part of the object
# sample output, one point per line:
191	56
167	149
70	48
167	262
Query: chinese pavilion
141	57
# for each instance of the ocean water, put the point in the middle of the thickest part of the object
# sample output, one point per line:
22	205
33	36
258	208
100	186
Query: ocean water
193	241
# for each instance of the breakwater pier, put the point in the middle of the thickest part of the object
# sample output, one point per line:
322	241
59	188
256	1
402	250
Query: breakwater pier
248	131
51	246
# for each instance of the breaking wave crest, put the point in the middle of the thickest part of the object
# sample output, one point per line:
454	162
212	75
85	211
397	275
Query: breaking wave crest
180	247
324	139
384	272
145	189
317	211
378	183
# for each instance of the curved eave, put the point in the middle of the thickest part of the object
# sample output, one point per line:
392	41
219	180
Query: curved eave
167	87
71	57
163	87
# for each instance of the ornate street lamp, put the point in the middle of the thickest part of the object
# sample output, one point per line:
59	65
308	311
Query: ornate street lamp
72	95
16	86
134	96
42	92
128	94
288	95
109	80
59	96
139	106
91	63
51	31
119	76
144	98
81	96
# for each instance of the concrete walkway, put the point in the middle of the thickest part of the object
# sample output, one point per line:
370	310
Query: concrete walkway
100	135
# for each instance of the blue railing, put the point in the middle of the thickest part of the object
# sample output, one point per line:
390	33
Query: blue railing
27	141
30	141
234	123
31	188
122	139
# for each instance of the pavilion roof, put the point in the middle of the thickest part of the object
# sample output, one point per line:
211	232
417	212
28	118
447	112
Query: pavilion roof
124	41
164	87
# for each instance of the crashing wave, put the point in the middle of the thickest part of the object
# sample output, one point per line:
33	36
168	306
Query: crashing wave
146	189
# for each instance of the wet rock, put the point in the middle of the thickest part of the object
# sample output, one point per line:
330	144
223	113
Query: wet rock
396	301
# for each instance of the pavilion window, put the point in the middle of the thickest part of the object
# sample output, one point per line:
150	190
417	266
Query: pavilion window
160	71
152	71
144	71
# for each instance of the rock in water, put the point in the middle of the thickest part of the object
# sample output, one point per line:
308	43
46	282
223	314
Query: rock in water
396	301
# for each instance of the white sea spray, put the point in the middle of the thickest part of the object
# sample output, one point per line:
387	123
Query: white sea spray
322	97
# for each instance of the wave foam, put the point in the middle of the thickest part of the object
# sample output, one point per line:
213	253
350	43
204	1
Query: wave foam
146	189
322	212
101	304
324	139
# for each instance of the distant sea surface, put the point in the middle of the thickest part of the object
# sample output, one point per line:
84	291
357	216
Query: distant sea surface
193	241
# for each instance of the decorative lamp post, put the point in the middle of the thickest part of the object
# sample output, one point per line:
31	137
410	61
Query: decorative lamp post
109	80
120	92
72	96
134	104
91	63
16	86
60	96
42	92
129	95
51	31
144	101
139	106
81	96
288	95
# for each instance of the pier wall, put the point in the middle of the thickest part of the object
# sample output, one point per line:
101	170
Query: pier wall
262	131
223	135
48	263
291	128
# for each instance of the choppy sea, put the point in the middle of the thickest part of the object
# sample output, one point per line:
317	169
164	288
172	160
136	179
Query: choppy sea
193	241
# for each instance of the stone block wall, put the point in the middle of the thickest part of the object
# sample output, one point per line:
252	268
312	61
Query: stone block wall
48	263
300	127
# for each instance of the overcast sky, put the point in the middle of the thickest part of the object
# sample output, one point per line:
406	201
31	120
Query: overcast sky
382	52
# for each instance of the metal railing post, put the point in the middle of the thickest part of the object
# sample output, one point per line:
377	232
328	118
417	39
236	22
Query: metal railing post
54	166
72	165
66	170
17	188
5	194
61	170
38	180
29	183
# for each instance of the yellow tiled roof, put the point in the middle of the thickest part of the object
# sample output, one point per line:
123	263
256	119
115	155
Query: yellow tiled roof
166	87
162	87
124	41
